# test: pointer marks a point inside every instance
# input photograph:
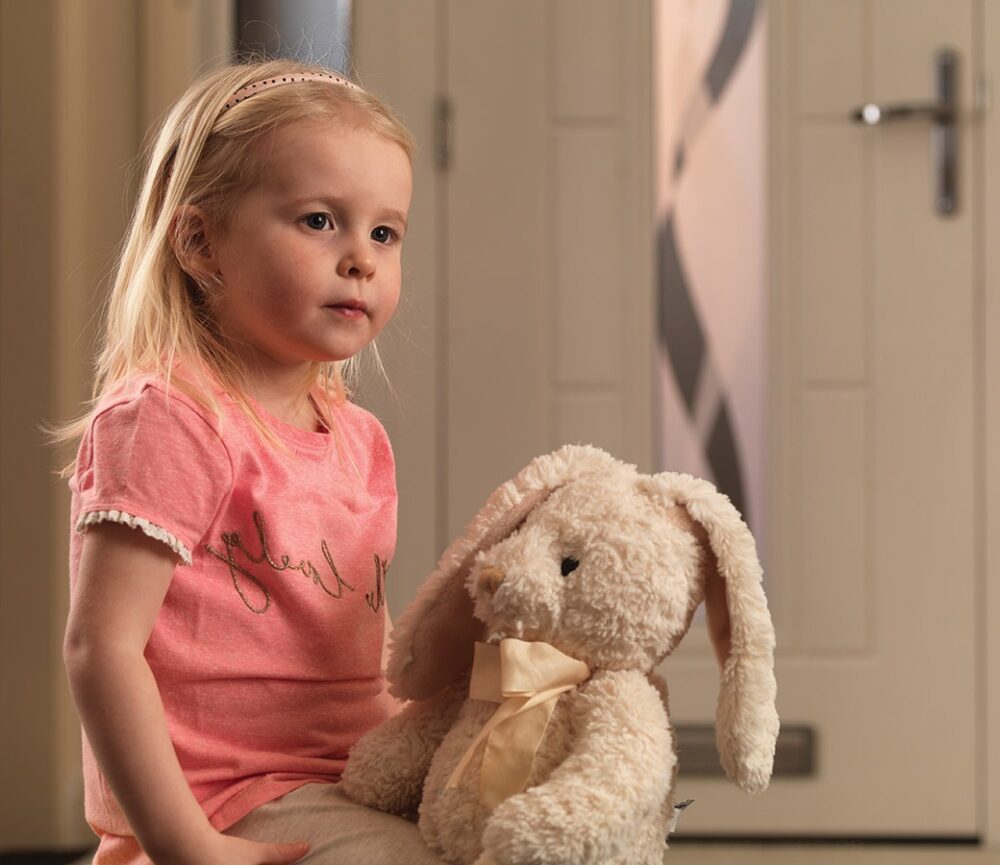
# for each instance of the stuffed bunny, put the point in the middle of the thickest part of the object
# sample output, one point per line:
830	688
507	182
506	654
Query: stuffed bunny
536	730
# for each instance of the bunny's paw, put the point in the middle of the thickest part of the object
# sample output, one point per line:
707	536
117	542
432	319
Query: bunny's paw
537	829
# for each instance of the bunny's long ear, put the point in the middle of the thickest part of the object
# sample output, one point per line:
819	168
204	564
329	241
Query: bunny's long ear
432	642
740	627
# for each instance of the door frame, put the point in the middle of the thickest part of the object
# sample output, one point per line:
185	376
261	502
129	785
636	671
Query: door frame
988	145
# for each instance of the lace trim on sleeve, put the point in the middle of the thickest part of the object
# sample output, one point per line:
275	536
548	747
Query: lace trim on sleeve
127	519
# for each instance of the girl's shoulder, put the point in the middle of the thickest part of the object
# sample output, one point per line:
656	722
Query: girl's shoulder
145	418
359	418
362	426
368	442
151	395
151	456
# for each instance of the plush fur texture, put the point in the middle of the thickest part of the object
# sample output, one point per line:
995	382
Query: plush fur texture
648	550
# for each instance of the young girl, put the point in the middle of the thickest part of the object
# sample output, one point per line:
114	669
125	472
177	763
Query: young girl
233	513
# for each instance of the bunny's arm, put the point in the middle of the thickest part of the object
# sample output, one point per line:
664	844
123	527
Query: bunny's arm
618	772
386	767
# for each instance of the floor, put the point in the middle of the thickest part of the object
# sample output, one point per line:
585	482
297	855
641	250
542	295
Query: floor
682	853
823	854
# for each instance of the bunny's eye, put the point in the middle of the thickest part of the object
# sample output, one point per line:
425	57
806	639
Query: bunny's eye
569	565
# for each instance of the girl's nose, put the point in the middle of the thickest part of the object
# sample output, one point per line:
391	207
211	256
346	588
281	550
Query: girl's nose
356	264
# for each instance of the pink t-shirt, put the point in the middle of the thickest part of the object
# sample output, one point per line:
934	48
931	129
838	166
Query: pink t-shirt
268	647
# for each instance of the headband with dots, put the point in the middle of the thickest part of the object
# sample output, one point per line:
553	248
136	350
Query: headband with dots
245	93
249	90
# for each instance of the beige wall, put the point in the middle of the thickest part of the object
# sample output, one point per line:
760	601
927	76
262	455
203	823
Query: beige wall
28	595
81	81
990	519
63	213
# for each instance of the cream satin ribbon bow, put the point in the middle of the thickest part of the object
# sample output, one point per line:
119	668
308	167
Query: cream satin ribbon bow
526	679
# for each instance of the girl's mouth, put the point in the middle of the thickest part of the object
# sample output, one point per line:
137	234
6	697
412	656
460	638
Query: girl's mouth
349	308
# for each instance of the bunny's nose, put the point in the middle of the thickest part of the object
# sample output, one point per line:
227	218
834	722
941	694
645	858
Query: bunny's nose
490	578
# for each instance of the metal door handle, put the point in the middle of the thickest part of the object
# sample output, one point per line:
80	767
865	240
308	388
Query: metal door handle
942	115
873	114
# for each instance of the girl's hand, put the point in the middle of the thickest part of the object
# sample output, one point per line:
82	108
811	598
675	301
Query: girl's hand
219	849
229	850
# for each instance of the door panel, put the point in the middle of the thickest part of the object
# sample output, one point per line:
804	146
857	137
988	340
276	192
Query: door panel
548	306
874	462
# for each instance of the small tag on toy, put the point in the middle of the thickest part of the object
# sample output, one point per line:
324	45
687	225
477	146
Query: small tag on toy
678	810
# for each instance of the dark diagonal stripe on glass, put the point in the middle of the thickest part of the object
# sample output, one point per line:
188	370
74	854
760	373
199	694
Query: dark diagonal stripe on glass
680	330
735	34
725	460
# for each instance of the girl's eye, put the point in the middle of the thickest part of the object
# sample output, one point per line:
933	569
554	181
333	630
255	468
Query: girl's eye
319	221
568	566
383	234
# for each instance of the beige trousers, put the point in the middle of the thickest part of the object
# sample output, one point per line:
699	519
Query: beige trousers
339	831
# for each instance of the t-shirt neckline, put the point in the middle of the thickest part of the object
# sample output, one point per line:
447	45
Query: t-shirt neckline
290	433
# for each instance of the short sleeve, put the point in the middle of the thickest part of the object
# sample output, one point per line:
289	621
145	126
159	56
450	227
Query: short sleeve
154	463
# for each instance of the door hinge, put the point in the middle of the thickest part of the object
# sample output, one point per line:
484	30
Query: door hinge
442	132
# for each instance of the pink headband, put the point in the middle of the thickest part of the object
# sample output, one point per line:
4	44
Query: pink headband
245	93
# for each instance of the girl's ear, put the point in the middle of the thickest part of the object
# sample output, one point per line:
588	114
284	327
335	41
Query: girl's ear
433	641
191	239
739	624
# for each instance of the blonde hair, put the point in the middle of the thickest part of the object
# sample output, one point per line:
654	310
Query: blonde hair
157	312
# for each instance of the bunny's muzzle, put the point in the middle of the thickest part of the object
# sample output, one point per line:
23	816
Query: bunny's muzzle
490	578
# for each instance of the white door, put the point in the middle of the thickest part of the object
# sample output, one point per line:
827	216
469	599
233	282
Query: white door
875	370
548	266
875	455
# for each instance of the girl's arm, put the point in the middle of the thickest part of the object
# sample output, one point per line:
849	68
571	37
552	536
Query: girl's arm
122	580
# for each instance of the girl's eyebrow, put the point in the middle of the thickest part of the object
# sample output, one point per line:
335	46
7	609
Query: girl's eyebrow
389	212
397	215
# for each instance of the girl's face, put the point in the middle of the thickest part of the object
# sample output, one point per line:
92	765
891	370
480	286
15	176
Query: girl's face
310	263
